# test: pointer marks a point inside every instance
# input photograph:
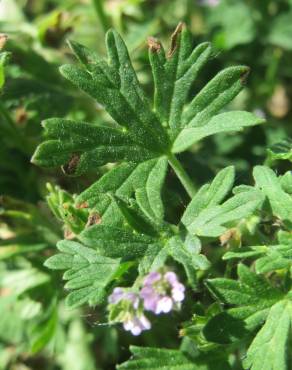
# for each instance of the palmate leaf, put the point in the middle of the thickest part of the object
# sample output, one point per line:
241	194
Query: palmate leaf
87	273
162	359
205	216
142	132
138	239
252	297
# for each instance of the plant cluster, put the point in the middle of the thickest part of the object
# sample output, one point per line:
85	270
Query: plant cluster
161	241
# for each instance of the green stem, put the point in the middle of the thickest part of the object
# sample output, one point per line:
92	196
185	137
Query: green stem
99	8
182	175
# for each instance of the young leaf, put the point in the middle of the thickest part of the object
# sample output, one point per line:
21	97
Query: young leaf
210	194
270	348
87	273
206	217
269	184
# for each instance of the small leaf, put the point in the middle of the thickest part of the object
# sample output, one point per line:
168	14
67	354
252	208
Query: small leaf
116	242
149	195
87	273
223	122
210	194
174	74
81	147
212	220
145	180
269	184
215	95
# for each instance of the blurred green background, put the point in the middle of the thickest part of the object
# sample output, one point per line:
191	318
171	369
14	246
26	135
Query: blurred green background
36	331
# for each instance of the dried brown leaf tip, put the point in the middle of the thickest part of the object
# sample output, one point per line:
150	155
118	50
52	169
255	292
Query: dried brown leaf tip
21	116
93	219
154	44
71	166
175	39
3	39
244	76
82	205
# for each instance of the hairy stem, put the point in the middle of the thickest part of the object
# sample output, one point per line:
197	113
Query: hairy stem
182	175
99	8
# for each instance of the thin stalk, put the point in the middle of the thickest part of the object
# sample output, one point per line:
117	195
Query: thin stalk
99	8
182	175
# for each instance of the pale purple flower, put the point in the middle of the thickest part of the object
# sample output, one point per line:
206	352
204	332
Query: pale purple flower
116	296
152	277
137	324
131	314
164	305
162	292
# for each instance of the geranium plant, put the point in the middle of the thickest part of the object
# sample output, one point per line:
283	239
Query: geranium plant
215	273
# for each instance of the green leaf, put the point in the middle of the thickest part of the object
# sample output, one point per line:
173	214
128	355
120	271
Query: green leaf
87	273
281	150
268	257
170	359
270	348
206	217
214	96
269	184
81	147
254	297
188	254
156	358
281	31
210	194
286	182
149	195
224	122
113	241
144	180
174	74
141	132
121	94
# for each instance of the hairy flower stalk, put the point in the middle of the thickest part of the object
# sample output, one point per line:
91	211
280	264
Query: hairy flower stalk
130	311
162	292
